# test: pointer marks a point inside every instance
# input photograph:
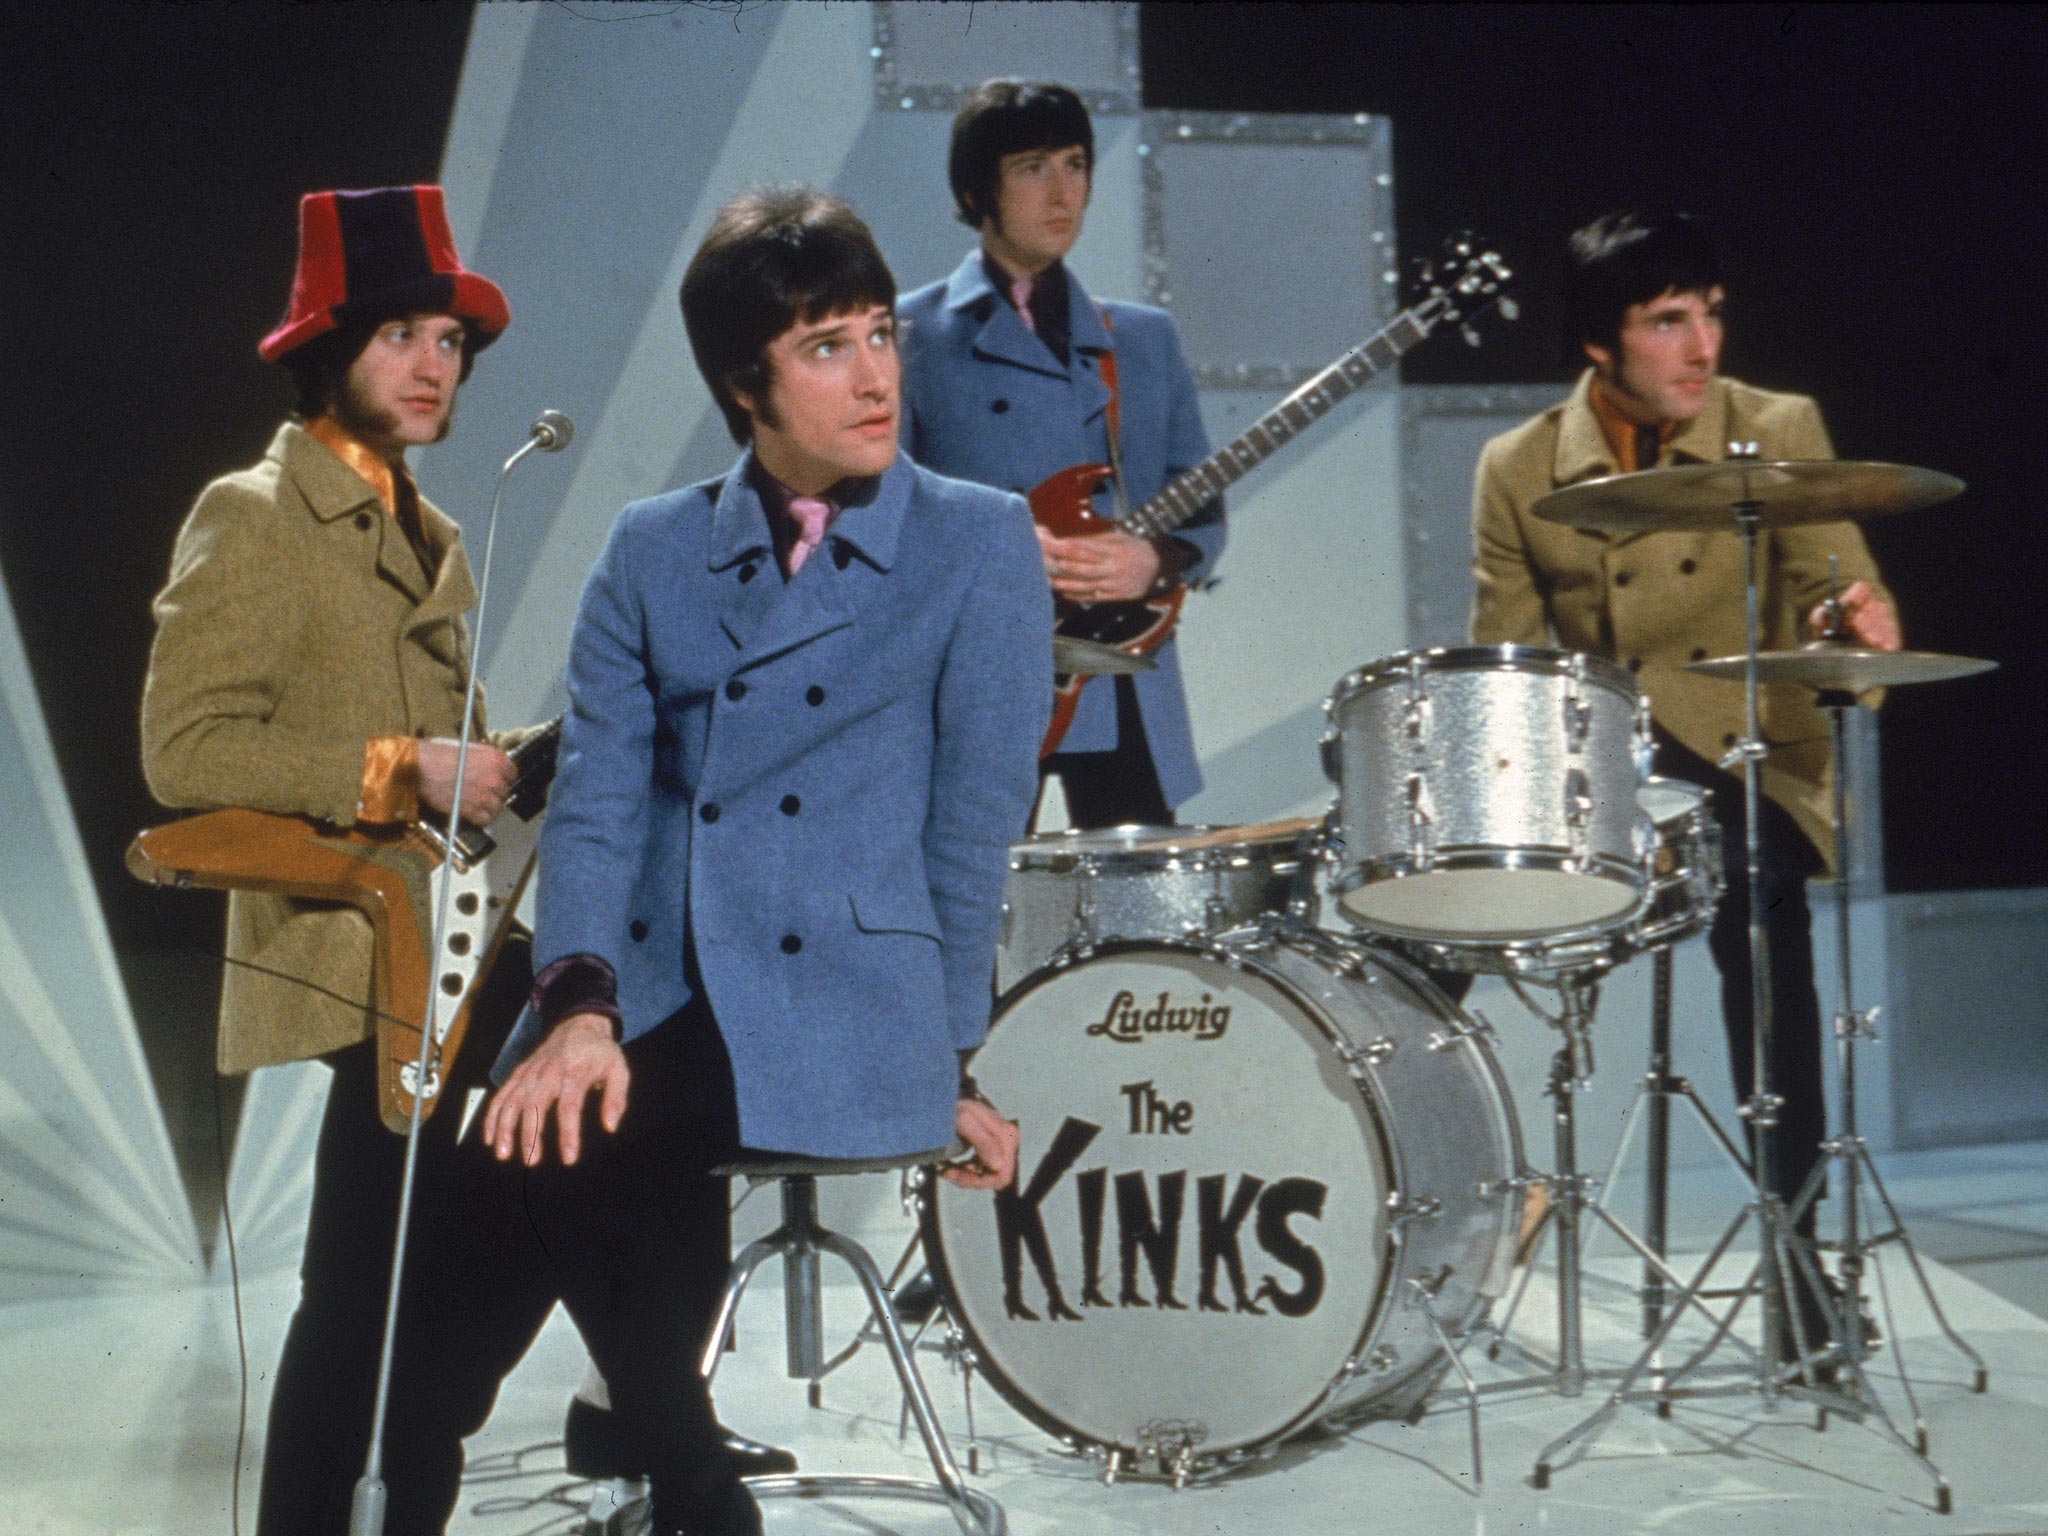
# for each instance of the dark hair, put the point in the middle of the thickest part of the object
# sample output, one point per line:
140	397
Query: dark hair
775	257
1630	257
1007	117
317	367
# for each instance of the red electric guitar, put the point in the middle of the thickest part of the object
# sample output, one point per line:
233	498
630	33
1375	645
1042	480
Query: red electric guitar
1462	284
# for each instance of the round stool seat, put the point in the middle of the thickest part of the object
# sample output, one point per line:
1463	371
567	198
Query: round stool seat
790	1165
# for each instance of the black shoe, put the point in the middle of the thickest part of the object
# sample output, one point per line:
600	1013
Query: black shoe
592	1449
916	1301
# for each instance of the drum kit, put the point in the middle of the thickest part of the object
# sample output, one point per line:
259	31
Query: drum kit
1272	1176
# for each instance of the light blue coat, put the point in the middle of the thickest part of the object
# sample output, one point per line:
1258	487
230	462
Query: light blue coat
986	400
818	781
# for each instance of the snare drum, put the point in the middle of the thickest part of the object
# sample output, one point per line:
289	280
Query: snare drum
1069	890
1487	793
1242	1164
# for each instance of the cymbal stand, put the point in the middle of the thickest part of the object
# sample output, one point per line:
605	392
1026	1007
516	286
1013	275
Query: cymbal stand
1774	1377
1655	1091
1847	1146
1571	1201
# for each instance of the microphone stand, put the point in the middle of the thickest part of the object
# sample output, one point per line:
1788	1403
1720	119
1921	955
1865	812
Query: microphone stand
366	1510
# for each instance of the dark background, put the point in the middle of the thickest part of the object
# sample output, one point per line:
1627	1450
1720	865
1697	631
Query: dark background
1872	172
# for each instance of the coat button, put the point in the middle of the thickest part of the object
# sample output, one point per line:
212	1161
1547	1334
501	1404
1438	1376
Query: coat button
1635	663
842	554
791	943
735	690
1621	578
791	805
363	521
747	572
814	695
638	929
998	406
708	811
1728	738
1687	567
1699	653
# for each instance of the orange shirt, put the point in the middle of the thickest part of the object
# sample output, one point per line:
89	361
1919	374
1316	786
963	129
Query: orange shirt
1620	430
391	764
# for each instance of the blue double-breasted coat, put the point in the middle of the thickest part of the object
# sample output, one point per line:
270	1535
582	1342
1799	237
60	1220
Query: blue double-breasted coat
815	784
986	400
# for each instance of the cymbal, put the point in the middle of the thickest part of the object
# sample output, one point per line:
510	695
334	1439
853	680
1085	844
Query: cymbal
1825	666
1700	498
1091	658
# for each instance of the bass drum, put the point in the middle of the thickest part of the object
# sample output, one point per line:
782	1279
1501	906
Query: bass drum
1242	1160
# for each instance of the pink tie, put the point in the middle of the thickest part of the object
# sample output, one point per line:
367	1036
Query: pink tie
811	514
1020	295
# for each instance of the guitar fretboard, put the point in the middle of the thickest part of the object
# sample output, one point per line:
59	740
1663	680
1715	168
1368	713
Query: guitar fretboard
1195	488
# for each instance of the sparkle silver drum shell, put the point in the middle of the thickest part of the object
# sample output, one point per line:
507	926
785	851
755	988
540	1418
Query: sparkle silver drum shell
1486	792
1242	1161
1071	890
1684	888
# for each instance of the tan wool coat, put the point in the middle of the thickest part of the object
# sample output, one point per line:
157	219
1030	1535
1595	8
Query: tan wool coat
297	623
1655	601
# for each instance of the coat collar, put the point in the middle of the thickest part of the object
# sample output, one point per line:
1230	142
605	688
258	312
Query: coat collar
762	615
1005	337
1583	452
332	491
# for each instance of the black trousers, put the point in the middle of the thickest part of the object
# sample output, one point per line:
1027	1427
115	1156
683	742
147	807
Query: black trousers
1788	861
443	1354
1114	788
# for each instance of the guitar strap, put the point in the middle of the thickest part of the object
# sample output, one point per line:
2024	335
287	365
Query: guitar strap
1113	417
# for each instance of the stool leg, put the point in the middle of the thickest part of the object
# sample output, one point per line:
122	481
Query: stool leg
751	1258
935	1446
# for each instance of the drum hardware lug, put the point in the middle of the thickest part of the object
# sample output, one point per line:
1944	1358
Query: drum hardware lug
1328	748
1482	1025
1578	719
1401	1210
1419	820
1578	811
1859	1025
1415	719
1112	1465
1379	1362
1646	740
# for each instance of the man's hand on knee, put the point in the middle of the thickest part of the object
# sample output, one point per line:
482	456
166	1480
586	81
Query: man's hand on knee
578	1055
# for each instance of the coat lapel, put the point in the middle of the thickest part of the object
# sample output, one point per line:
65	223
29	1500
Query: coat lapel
1583	451
1003	337
841	577
741	557
1088	337
454	589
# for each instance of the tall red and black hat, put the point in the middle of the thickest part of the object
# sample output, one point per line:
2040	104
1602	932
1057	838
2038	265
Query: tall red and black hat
382	252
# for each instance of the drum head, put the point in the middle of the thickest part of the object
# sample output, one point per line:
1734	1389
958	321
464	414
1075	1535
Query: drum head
1489	903
1197	1238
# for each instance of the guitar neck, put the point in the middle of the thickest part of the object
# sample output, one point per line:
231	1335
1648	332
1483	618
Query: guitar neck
1194	489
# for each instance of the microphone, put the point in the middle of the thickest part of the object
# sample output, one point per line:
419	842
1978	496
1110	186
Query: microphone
552	431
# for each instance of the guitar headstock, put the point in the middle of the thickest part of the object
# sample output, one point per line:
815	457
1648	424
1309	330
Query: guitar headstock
1461	284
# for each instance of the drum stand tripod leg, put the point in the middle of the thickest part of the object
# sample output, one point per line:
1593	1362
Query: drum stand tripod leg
1423	1296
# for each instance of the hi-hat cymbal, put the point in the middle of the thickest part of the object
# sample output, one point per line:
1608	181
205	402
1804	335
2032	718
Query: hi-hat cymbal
1091	658
1826	666
1700	498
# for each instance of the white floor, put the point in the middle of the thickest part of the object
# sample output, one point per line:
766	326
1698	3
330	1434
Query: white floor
119	1416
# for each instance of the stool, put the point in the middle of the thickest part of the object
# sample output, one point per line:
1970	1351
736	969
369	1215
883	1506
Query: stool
800	1239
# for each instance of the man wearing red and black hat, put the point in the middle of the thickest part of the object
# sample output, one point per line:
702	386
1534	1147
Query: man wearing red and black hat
309	659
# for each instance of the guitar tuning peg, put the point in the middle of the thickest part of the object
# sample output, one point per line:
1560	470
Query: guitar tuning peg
1509	309
1471	336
